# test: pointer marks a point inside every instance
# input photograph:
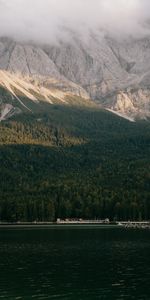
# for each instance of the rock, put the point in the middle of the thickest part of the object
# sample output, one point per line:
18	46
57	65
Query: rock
112	72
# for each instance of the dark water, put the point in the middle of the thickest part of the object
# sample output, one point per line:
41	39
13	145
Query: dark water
74	263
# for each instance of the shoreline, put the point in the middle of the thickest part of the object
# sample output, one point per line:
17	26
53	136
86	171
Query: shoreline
54	223
59	224
118	224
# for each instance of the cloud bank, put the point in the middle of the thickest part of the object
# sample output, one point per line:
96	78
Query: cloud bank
43	20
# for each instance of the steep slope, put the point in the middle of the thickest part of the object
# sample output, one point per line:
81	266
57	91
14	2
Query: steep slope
20	93
92	64
114	73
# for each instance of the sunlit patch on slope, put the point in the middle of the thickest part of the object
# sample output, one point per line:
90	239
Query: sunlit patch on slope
7	111
121	115
34	89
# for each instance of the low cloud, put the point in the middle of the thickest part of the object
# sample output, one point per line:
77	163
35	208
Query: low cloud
43	20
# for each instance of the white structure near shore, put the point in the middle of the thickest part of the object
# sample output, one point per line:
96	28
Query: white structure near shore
82	221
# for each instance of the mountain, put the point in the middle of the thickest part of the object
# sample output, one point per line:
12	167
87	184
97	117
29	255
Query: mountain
74	129
111	72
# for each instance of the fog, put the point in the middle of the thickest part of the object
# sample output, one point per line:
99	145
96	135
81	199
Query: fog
49	20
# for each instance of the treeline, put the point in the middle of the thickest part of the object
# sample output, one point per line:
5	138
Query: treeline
74	163
74	201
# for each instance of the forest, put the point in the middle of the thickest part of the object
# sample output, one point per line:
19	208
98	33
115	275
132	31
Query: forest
74	162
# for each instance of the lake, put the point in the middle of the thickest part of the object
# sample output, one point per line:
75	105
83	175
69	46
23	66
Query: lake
74	262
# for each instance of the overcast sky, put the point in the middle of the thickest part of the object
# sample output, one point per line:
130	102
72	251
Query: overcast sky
41	20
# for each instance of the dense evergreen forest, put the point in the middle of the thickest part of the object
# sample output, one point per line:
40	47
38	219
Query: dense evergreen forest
74	162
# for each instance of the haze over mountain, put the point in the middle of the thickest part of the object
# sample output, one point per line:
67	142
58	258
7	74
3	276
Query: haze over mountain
43	20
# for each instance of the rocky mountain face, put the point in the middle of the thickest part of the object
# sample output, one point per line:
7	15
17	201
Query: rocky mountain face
114	73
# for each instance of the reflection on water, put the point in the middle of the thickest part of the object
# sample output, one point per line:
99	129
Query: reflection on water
66	262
